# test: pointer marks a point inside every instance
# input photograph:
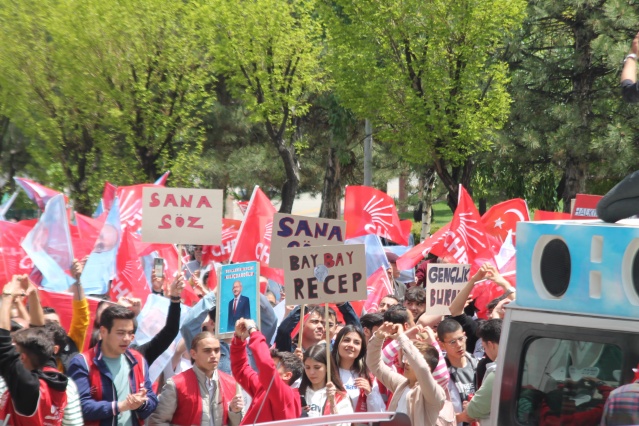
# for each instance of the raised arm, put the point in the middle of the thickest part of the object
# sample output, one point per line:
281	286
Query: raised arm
459	302
389	378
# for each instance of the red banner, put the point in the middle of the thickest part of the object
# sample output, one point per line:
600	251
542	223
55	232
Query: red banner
586	206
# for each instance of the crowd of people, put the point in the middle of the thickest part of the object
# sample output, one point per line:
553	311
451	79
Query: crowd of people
436	370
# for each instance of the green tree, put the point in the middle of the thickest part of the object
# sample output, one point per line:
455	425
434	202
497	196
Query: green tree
569	131
270	52
431	75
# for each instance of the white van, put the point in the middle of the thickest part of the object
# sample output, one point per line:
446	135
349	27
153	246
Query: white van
572	335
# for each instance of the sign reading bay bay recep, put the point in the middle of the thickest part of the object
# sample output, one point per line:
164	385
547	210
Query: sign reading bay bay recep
301	231
345	281
443	282
182	216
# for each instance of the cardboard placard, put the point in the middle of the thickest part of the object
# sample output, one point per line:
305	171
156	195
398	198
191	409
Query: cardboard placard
301	231
238	295
346	279
182	215
443	282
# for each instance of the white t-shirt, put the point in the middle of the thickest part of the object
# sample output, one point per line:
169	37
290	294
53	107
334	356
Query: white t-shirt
317	399
402	405
374	401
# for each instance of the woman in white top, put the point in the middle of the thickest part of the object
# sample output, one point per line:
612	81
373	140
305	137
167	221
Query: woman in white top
324	395
349	353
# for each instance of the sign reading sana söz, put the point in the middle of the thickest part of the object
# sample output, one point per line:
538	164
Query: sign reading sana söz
345	281
301	231
182	216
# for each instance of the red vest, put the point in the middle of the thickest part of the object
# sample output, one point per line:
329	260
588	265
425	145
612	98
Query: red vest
189	400
95	377
49	411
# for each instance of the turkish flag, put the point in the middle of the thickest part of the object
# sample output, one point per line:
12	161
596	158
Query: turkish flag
503	217
130	280
377	287
254	237
40	194
467	240
131	205
13	259
415	255
222	253
370	211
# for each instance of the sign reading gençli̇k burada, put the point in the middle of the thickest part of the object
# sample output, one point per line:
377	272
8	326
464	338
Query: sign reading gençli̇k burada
182	216
443	282
301	231
345	278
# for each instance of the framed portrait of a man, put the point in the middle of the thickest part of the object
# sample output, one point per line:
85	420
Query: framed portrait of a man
238	295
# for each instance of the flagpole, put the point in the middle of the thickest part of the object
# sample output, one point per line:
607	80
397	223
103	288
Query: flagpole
328	345
299	336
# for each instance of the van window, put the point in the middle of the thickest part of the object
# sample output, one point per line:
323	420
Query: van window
564	381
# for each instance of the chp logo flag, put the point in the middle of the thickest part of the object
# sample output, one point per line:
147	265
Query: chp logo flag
370	211
503	217
467	240
412	257
222	253
130	279
14	260
377	286
254	237
131	205
40	194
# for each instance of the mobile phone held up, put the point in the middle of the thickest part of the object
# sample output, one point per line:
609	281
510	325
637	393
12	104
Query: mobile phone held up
158	267
303	400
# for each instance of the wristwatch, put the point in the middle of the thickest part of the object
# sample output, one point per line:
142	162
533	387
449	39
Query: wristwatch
251	328
630	56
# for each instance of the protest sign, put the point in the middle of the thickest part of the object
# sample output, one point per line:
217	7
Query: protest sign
301	231
182	215
586	206
443	282
346	279
238	296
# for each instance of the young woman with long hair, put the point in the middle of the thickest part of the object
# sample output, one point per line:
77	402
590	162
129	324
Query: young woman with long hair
324	395
349	353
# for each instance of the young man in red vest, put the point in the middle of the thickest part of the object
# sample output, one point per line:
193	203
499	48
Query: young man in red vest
108	373
201	395
36	394
281	402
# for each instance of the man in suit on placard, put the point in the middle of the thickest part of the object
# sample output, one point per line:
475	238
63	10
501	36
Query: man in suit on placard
239	306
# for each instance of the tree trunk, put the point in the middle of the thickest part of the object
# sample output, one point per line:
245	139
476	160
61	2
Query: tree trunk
428	180
482	205
451	179
574	182
292	183
402	206
332	190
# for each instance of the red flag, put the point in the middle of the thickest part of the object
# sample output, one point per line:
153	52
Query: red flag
485	291
130	280
62	303
254	237
108	195
40	194
222	253
85	233
545	215
413	256
503	217
13	259
377	286
131	205
467	240
370	211
242	205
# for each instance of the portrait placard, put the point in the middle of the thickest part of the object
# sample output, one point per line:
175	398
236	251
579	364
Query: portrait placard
238	296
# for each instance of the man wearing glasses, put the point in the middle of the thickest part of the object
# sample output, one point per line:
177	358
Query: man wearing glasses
461	364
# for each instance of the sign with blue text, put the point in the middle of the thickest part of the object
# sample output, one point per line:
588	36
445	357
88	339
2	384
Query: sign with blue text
443	282
301	231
